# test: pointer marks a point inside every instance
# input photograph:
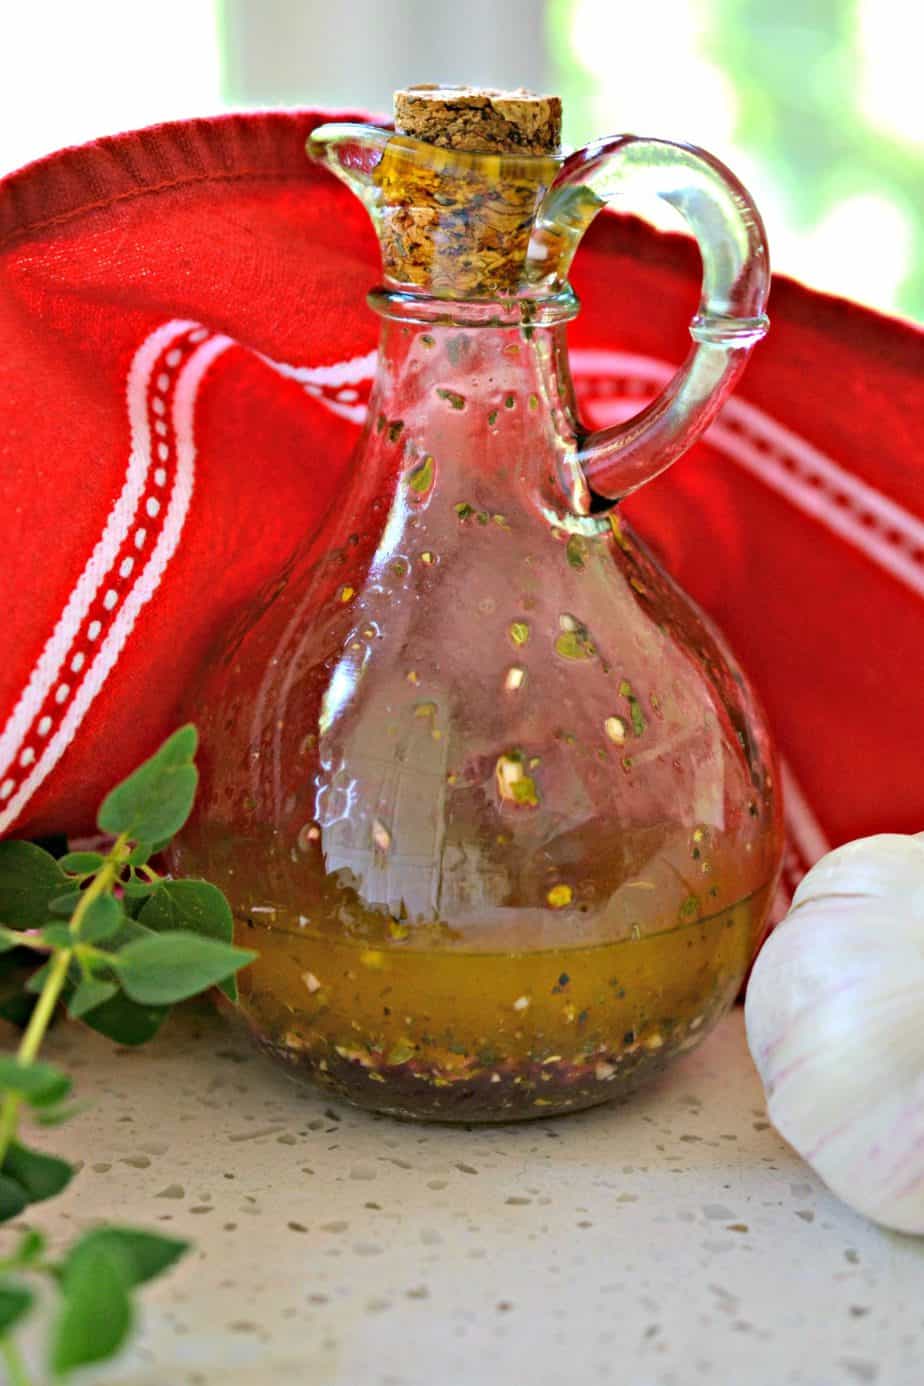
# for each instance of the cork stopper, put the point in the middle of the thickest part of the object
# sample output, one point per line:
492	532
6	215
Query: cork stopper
479	119
459	186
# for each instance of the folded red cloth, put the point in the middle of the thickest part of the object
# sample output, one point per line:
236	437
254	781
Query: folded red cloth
185	353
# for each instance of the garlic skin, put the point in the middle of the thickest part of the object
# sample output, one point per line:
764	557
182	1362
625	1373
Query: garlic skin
835	1023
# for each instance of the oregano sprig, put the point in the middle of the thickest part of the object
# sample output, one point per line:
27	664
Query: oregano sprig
120	944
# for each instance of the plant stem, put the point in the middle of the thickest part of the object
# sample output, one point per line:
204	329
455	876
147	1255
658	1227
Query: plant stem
31	1041
41	1017
23	940
104	879
16	1372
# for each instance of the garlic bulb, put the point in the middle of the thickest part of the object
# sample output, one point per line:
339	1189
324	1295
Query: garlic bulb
835	1022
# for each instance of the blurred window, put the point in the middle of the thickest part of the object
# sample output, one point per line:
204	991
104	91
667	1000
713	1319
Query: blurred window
816	104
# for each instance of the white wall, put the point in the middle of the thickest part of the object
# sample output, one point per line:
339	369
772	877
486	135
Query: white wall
307	52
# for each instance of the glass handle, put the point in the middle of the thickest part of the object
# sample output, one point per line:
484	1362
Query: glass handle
352	153
730	320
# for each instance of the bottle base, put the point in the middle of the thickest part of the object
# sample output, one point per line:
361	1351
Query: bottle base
507	1092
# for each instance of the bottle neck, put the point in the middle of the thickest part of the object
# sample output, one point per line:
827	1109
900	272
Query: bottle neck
524	311
484	390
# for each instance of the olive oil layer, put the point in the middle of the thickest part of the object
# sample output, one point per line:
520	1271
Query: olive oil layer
441	1031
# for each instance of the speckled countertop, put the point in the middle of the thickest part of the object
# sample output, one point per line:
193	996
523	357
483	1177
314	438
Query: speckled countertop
674	1240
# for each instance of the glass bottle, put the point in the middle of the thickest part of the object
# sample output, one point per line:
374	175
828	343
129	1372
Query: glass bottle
487	792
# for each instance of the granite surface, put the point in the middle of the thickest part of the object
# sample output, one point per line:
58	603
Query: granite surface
670	1241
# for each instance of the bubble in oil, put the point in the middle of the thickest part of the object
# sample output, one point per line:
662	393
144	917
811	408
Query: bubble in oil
380	835
574	642
308	836
514	785
615	729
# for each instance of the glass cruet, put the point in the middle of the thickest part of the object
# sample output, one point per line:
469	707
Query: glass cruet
487	792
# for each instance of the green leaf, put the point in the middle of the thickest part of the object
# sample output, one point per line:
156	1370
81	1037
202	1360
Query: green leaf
119	1018
66	904
57	1116
129	931
155	801
133	905
13	1198
101	920
139	890
39	1084
194	905
170	967
57	936
29	880
139	854
9	938
15	970
81	863
125	1022
146	1254
38	979
90	993
96	1315
30	1248
42	1176
15	1301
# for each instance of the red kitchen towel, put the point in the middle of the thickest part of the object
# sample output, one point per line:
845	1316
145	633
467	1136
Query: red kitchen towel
185	354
